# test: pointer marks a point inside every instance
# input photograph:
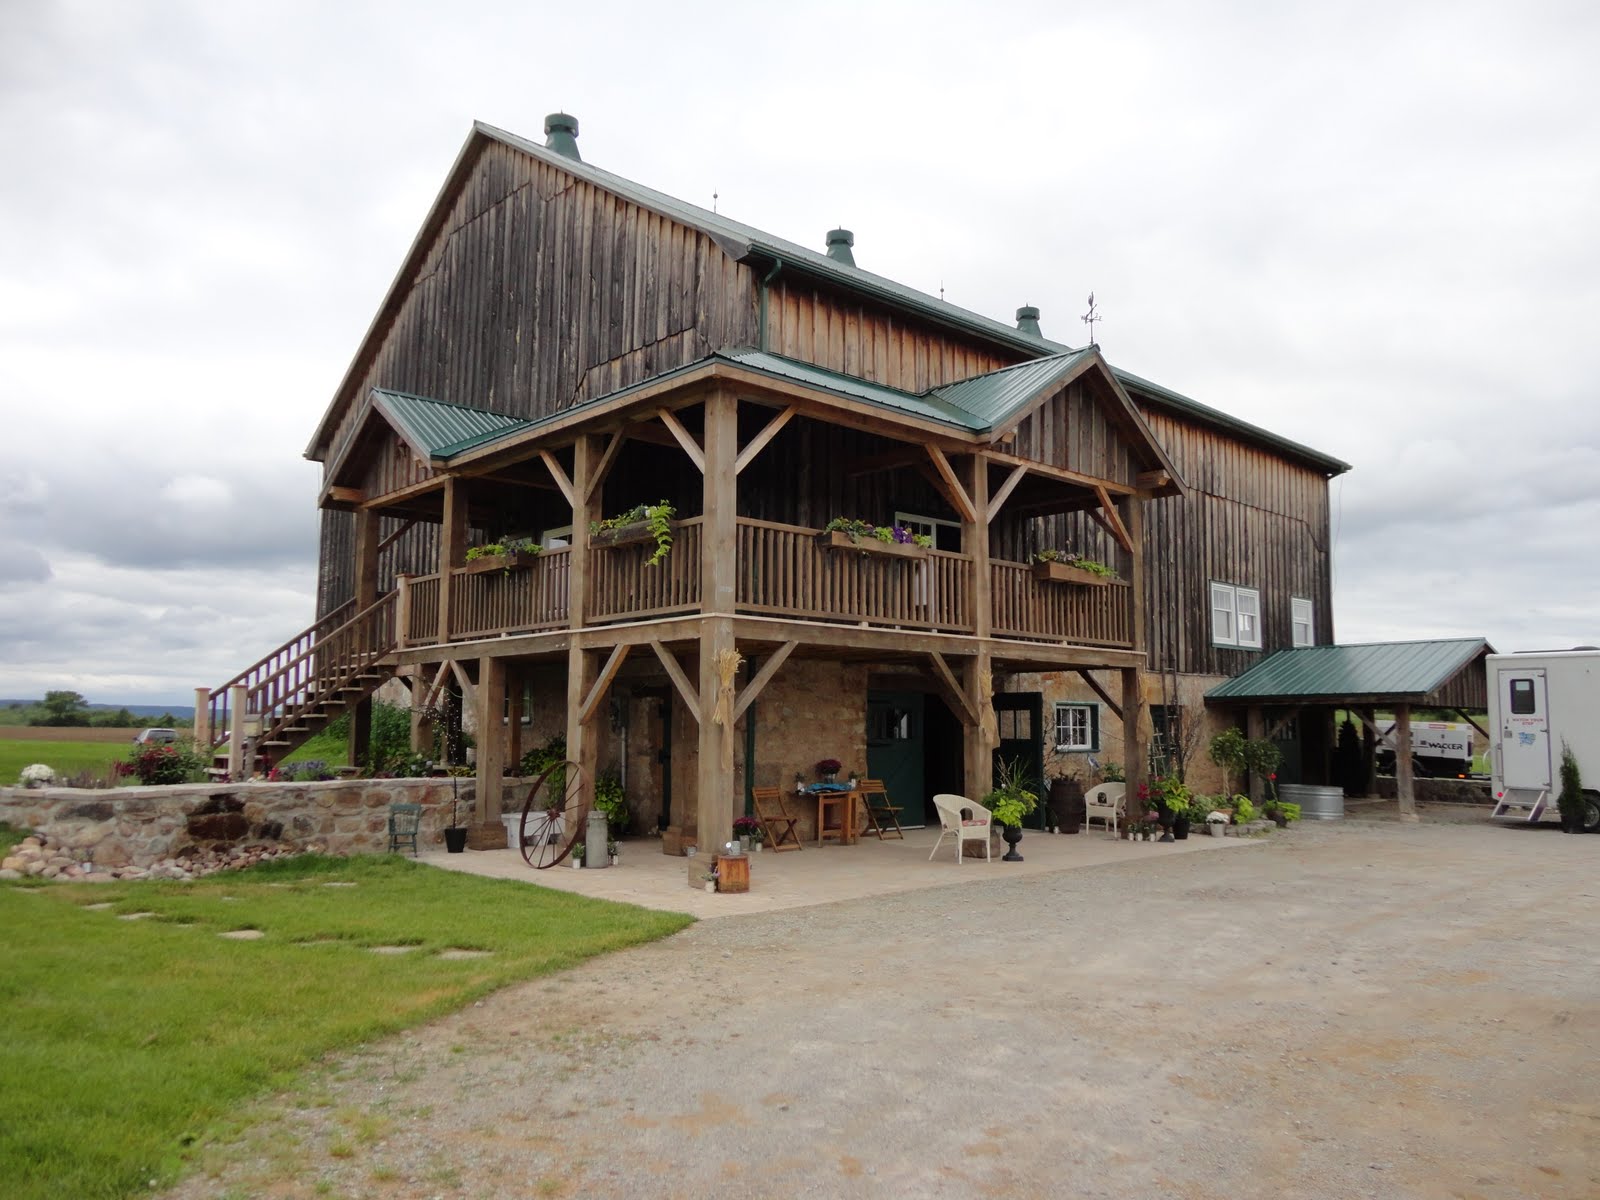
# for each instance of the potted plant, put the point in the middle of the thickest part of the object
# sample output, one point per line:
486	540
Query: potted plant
1569	801
828	768
641	523
577	854
745	829
799	783
1281	811
1171	799
455	834
710	880
1008	803
615	851
1061	566
610	799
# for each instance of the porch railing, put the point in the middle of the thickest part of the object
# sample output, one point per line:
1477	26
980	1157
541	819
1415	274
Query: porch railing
526	600
784	569
1025	607
623	587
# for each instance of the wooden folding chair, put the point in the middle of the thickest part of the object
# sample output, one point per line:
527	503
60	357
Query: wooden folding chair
883	818
775	819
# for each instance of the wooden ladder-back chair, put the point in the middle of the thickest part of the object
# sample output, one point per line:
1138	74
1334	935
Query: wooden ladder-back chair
775	819
405	822
883	818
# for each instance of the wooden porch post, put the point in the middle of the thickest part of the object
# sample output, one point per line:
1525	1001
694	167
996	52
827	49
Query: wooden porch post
979	739
1404	785
715	801
360	738
491	738
1369	752
1137	769
583	748
202	719
452	547
1255	726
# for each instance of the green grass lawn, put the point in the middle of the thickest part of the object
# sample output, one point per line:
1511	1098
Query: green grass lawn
68	758
127	1041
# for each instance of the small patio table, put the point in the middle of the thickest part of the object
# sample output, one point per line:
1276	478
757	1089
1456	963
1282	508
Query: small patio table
830	797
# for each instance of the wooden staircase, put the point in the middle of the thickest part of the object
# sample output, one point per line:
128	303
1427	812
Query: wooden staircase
297	689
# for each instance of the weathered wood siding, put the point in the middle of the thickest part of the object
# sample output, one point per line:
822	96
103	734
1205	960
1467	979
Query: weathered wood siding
1253	519
1073	429
392	465
820	325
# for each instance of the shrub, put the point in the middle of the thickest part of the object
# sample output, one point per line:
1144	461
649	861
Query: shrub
610	799
1570	801
173	763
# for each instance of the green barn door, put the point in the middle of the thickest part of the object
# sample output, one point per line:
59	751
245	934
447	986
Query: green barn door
1021	745
895	750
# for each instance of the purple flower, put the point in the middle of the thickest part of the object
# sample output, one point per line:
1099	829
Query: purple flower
902	535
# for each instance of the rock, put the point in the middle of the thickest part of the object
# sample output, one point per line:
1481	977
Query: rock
10	873
13	862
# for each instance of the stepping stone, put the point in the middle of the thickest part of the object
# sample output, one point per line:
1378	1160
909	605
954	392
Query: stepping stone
138	916
104	904
393	949
457	954
339	883
243	935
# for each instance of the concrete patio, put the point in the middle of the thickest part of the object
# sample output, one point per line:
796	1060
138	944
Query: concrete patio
821	874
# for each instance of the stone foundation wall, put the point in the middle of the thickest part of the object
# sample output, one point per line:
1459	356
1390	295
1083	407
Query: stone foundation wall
138	826
1441	791
810	711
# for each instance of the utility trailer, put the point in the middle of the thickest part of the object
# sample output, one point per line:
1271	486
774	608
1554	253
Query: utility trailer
1537	702
1439	749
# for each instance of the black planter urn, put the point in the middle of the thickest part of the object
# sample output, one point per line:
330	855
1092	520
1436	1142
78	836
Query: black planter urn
455	839
1180	828
1012	835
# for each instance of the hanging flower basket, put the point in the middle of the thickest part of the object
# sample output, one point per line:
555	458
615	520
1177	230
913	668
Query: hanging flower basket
1060	572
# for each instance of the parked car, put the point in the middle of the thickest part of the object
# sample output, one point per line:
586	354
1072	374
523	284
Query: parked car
155	737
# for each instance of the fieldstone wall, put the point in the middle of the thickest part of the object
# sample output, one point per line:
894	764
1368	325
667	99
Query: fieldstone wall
812	710
139	826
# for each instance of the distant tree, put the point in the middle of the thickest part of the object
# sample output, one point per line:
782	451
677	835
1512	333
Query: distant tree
63	708
106	719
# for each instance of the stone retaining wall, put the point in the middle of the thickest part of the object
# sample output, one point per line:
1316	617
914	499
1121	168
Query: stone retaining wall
1441	791
139	826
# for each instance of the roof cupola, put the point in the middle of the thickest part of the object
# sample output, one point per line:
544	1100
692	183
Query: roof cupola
1028	320
839	243
561	134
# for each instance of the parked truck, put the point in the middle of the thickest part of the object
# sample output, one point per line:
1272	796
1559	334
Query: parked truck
1539	703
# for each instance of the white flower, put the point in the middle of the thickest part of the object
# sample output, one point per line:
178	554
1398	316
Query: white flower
37	775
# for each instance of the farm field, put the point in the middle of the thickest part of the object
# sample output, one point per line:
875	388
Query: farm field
68	756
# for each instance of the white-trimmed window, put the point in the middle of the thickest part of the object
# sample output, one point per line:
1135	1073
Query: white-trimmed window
555	539
1077	726
1235	616
946	535
1302	629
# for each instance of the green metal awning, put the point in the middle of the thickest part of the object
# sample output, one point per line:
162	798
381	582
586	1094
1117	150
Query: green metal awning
1379	672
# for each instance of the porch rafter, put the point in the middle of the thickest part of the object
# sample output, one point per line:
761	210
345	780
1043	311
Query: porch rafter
759	681
675	672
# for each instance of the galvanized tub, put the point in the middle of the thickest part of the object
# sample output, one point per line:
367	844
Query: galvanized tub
1317	802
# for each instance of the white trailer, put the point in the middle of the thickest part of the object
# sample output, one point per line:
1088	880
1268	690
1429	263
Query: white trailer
1439	749
1537	703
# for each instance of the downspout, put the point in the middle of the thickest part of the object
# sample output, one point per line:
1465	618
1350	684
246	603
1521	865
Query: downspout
761	333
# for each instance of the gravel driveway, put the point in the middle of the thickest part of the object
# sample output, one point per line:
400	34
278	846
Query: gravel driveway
1353	1009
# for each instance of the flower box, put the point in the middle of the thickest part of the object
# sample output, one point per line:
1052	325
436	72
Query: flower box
516	560
837	539
624	535
1060	572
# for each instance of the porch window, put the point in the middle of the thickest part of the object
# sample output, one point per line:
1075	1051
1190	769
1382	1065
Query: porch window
1077	727
554	539
1235	616
1300	623
946	535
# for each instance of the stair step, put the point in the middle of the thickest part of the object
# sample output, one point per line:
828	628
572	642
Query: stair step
275	743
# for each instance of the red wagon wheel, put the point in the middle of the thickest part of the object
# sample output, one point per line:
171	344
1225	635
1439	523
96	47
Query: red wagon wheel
553	817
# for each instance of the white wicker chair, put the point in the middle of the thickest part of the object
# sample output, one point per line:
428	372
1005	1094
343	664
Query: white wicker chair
963	819
1106	805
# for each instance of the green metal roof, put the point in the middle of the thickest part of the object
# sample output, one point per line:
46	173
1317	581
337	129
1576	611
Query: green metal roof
993	397
438	429
1399	671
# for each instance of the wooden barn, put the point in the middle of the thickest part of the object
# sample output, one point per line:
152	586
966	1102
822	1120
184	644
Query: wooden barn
840	488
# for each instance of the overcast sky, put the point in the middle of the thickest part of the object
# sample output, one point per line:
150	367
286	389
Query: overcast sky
1369	227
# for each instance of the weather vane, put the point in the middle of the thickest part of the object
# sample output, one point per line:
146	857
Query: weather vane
713	201
1090	317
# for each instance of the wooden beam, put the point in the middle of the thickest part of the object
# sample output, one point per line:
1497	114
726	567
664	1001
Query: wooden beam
597	474
954	492
468	688
395	536
560	477
401	495
1061	474
597	693
1105	696
690	446
759	443
1018	473
345	495
890	460
1149	481
691	696
1114	521
1467	717
436	686
952	686
761	678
